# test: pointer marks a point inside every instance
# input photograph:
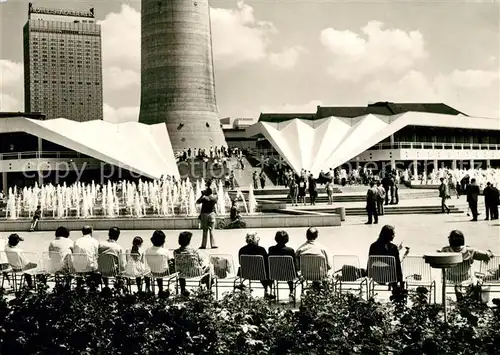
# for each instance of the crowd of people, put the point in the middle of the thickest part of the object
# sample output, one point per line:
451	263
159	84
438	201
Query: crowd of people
96	261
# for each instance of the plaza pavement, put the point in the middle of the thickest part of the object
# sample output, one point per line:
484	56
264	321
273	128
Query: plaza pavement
422	233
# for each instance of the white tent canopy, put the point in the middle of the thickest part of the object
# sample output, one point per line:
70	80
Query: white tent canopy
140	148
316	145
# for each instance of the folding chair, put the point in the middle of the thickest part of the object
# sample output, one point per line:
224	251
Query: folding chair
252	268
53	265
313	268
110	267
458	277
417	273
159	270
224	271
489	274
81	267
4	263
135	268
18	265
381	271
349	277
282	269
187	267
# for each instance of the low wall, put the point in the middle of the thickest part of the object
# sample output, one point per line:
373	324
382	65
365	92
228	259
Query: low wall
256	221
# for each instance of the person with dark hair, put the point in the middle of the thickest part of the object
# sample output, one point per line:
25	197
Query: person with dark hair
371	204
88	245
17	259
207	217
111	258
490	201
380	198
312	247
60	249
158	240
36	217
280	248
187	257
461	274
444	194
234	215
136	264
472	191
384	246
253	248
301	194
313	189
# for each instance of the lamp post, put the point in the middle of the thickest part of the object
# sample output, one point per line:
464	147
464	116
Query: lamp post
443	261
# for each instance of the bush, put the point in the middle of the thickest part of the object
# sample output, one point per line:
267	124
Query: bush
110	322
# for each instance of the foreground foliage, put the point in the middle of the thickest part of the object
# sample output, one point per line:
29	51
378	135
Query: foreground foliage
108	322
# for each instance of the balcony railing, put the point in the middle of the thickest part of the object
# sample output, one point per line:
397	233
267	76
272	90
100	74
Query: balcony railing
39	155
425	145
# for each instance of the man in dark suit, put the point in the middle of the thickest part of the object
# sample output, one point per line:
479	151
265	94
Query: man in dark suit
472	192
495	201
488	201
371	204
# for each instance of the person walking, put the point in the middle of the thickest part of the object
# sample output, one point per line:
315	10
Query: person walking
36	218
472	192
488	201
207	217
444	194
371	204
380	198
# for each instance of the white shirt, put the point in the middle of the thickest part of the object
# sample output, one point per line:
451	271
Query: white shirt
64	247
313	248
111	247
152	254
15	257
90	246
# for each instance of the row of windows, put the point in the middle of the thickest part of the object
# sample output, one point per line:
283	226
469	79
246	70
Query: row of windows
64	82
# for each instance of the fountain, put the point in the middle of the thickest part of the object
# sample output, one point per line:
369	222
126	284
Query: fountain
252	202
221	203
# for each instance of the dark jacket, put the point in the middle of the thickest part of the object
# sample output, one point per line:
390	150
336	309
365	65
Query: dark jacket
391	249
207	203
252	249
472	193
495	196
284	251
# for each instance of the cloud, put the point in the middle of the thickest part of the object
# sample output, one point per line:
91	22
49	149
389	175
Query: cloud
238	37
309	107
122	114
116	79
121	39
288	58
376	50
11	86
474	92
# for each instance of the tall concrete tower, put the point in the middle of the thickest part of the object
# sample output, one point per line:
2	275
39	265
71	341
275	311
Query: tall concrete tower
177	72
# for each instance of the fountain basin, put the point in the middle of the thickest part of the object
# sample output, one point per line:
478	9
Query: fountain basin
443	260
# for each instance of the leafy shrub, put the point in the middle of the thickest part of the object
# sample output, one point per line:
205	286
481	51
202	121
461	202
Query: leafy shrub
112	322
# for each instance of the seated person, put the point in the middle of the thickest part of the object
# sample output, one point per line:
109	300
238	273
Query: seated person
4	262
60	250
383	246
201	263
461	274
312	247
111	258
253	248
160	267
16	258
280	248
234	214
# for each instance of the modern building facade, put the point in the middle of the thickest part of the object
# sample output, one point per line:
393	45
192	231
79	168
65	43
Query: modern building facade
177	72
421	136
63	64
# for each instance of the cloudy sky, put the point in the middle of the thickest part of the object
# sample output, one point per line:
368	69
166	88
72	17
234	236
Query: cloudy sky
274	56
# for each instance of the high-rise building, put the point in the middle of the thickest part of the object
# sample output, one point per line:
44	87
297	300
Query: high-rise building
177	72
62	64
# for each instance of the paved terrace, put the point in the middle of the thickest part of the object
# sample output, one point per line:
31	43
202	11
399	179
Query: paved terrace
422	233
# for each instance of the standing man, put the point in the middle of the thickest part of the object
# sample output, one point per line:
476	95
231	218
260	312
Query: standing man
380	198
444	194
313	190
488	201
495	201
371	204
472	192
207	217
